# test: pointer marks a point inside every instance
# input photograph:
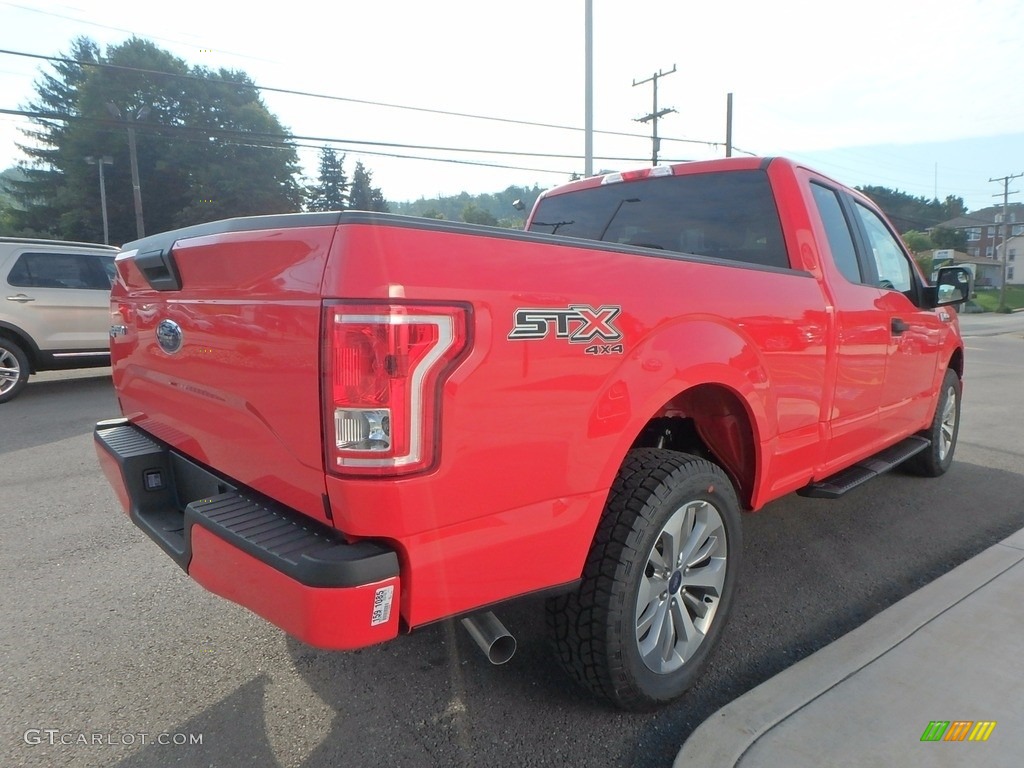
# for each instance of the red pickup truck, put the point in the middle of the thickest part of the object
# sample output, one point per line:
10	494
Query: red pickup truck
357	424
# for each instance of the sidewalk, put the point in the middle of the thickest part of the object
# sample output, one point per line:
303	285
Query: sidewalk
952	651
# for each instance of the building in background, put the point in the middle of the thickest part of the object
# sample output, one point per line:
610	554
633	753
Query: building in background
984	228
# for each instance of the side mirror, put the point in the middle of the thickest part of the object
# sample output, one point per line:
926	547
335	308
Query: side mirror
952	286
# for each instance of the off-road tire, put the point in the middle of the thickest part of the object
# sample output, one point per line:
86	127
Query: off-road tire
945	427
598	629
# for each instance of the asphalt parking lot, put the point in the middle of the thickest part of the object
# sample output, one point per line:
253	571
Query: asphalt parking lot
113	657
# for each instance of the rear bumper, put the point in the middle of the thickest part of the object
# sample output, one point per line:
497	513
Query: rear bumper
289	569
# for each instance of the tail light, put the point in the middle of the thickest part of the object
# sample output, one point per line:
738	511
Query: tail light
384	366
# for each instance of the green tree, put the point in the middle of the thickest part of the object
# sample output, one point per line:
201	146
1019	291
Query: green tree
906	212
363	196
208	147
949	238
497	204
330	193
924	261
473	215
917	241
952	207
7	203
42	193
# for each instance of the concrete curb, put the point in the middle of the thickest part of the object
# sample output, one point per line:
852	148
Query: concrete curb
724	738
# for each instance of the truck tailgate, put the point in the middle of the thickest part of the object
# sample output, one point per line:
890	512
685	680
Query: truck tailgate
215	351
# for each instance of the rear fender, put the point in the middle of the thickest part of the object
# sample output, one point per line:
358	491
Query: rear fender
692	368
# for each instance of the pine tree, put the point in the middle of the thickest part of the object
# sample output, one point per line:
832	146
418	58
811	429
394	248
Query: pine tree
43	191
363	196
208	147
330	193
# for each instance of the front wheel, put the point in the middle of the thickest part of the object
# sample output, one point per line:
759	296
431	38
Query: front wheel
945	427
658	582
14	370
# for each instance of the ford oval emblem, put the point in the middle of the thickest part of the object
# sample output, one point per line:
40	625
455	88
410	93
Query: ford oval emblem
168	336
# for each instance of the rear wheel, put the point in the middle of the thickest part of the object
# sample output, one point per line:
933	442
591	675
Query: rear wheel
937	458
13	369
658	583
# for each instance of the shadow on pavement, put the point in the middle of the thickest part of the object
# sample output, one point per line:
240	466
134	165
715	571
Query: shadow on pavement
44	404
814	570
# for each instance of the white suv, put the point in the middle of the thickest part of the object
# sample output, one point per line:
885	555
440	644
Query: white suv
54	308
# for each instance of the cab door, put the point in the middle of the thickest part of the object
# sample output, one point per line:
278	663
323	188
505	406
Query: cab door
915	334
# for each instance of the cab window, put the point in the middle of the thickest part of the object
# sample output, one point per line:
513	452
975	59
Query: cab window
891	266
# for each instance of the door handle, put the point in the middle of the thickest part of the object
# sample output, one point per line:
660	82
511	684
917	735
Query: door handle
898	327
21	298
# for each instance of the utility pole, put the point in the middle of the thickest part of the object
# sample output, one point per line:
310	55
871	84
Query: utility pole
728	125
130	121
1006	215
588	107
655	113
101	161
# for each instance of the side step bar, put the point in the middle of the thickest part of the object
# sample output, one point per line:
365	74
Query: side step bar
846	480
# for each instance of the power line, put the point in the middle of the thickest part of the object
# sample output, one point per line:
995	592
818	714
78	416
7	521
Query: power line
228	133
131	32
283	141
328	97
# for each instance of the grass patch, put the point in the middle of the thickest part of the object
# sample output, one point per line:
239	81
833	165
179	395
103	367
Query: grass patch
988	298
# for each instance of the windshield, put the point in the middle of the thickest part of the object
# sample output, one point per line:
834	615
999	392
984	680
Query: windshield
728	215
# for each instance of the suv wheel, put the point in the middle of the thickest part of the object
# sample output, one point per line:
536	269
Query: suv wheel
13	370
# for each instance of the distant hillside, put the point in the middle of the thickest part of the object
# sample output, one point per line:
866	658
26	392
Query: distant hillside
494	209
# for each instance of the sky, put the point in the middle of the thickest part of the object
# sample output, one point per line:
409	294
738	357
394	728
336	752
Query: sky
920	96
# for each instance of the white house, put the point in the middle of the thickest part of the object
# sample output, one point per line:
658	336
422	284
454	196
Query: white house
1014	249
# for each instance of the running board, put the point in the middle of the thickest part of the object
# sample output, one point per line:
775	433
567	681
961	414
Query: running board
846	480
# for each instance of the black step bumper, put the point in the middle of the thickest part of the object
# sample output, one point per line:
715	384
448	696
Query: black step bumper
296	572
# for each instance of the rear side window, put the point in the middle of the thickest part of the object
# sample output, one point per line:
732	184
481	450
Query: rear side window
729	215
61	270
840	241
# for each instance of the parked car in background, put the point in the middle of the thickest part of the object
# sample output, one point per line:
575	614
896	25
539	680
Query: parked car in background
55	310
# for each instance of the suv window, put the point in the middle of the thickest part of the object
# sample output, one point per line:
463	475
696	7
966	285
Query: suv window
728	215
62	270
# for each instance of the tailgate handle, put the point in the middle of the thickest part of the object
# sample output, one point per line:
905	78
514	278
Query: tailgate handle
159	269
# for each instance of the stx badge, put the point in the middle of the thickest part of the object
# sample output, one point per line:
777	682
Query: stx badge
579	323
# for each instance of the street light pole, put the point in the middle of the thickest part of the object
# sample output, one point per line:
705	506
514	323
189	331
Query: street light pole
136	188
101	161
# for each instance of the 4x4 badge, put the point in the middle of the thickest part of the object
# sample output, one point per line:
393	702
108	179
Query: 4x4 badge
168	336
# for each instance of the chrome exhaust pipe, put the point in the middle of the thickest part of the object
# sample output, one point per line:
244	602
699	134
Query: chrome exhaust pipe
490	634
